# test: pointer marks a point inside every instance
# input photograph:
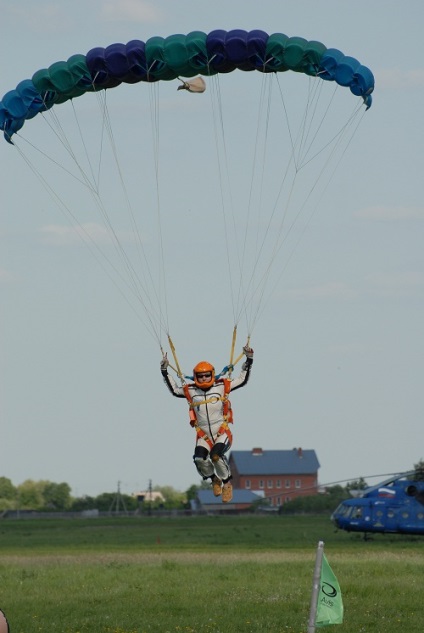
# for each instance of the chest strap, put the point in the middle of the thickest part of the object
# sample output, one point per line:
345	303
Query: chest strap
227	412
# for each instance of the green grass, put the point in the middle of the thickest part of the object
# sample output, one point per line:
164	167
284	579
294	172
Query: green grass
201	575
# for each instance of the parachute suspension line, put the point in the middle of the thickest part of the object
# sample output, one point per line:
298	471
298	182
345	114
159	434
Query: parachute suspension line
315	97
95	179
257	291
264	104
294	138
301	139
49	158
248	289
324	168
145	297
223	167
131	279
260	158
310	113
162	289
292	153
93	189
92	246
252	290
339	134
144	266
219	135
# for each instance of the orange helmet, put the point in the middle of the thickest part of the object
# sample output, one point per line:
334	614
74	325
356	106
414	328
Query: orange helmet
204	368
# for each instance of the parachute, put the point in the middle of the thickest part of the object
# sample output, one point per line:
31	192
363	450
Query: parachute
262	201
168	58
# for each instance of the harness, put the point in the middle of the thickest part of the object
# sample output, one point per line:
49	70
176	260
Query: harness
227	412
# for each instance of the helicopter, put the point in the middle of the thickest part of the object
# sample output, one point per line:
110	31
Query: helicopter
395	506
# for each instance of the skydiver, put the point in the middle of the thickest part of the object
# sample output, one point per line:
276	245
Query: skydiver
210	415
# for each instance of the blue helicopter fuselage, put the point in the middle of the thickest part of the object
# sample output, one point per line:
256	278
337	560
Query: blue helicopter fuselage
394	508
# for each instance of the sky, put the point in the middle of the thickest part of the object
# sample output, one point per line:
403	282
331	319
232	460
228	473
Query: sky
338	345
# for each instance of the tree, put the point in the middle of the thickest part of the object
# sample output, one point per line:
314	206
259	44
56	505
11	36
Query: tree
83	503
191	493
109	501
174	499
57	496
43	495
8	494
316	504
7	489
419	471
30	495
357	484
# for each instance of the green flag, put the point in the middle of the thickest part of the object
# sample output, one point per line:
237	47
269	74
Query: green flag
330	604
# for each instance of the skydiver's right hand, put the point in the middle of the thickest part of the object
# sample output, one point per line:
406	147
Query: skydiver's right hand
164	363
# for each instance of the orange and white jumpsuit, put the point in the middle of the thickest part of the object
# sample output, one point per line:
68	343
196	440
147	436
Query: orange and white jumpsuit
213	436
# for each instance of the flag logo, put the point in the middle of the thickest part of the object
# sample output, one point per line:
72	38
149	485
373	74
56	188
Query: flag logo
330	604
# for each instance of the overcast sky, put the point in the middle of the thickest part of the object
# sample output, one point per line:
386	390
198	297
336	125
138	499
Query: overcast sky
338	344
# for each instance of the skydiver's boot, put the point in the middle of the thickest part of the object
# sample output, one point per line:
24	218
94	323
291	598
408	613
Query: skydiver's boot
227	492
216	486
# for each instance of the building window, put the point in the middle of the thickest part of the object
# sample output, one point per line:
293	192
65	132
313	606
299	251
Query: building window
278	483
261	483
287	483
247	484
297	483
269	484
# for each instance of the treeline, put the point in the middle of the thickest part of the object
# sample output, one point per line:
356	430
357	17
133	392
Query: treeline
47	496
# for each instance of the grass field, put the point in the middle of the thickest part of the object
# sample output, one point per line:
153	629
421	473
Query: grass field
201	575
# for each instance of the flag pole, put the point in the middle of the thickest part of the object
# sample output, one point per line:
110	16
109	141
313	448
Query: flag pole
315	587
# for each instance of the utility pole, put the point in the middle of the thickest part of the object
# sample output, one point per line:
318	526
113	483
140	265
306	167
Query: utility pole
150	498
117	501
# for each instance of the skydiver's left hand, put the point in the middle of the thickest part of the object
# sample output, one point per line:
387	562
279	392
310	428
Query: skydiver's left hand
248	351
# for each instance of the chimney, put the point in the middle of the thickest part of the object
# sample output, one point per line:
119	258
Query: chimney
299	453
257	451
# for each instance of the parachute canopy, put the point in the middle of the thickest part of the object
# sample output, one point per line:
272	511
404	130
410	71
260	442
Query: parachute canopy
178	55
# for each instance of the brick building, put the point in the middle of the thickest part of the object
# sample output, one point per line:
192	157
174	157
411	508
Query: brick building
278	475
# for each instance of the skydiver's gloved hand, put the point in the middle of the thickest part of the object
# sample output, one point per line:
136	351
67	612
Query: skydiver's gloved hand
248	351
164	363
